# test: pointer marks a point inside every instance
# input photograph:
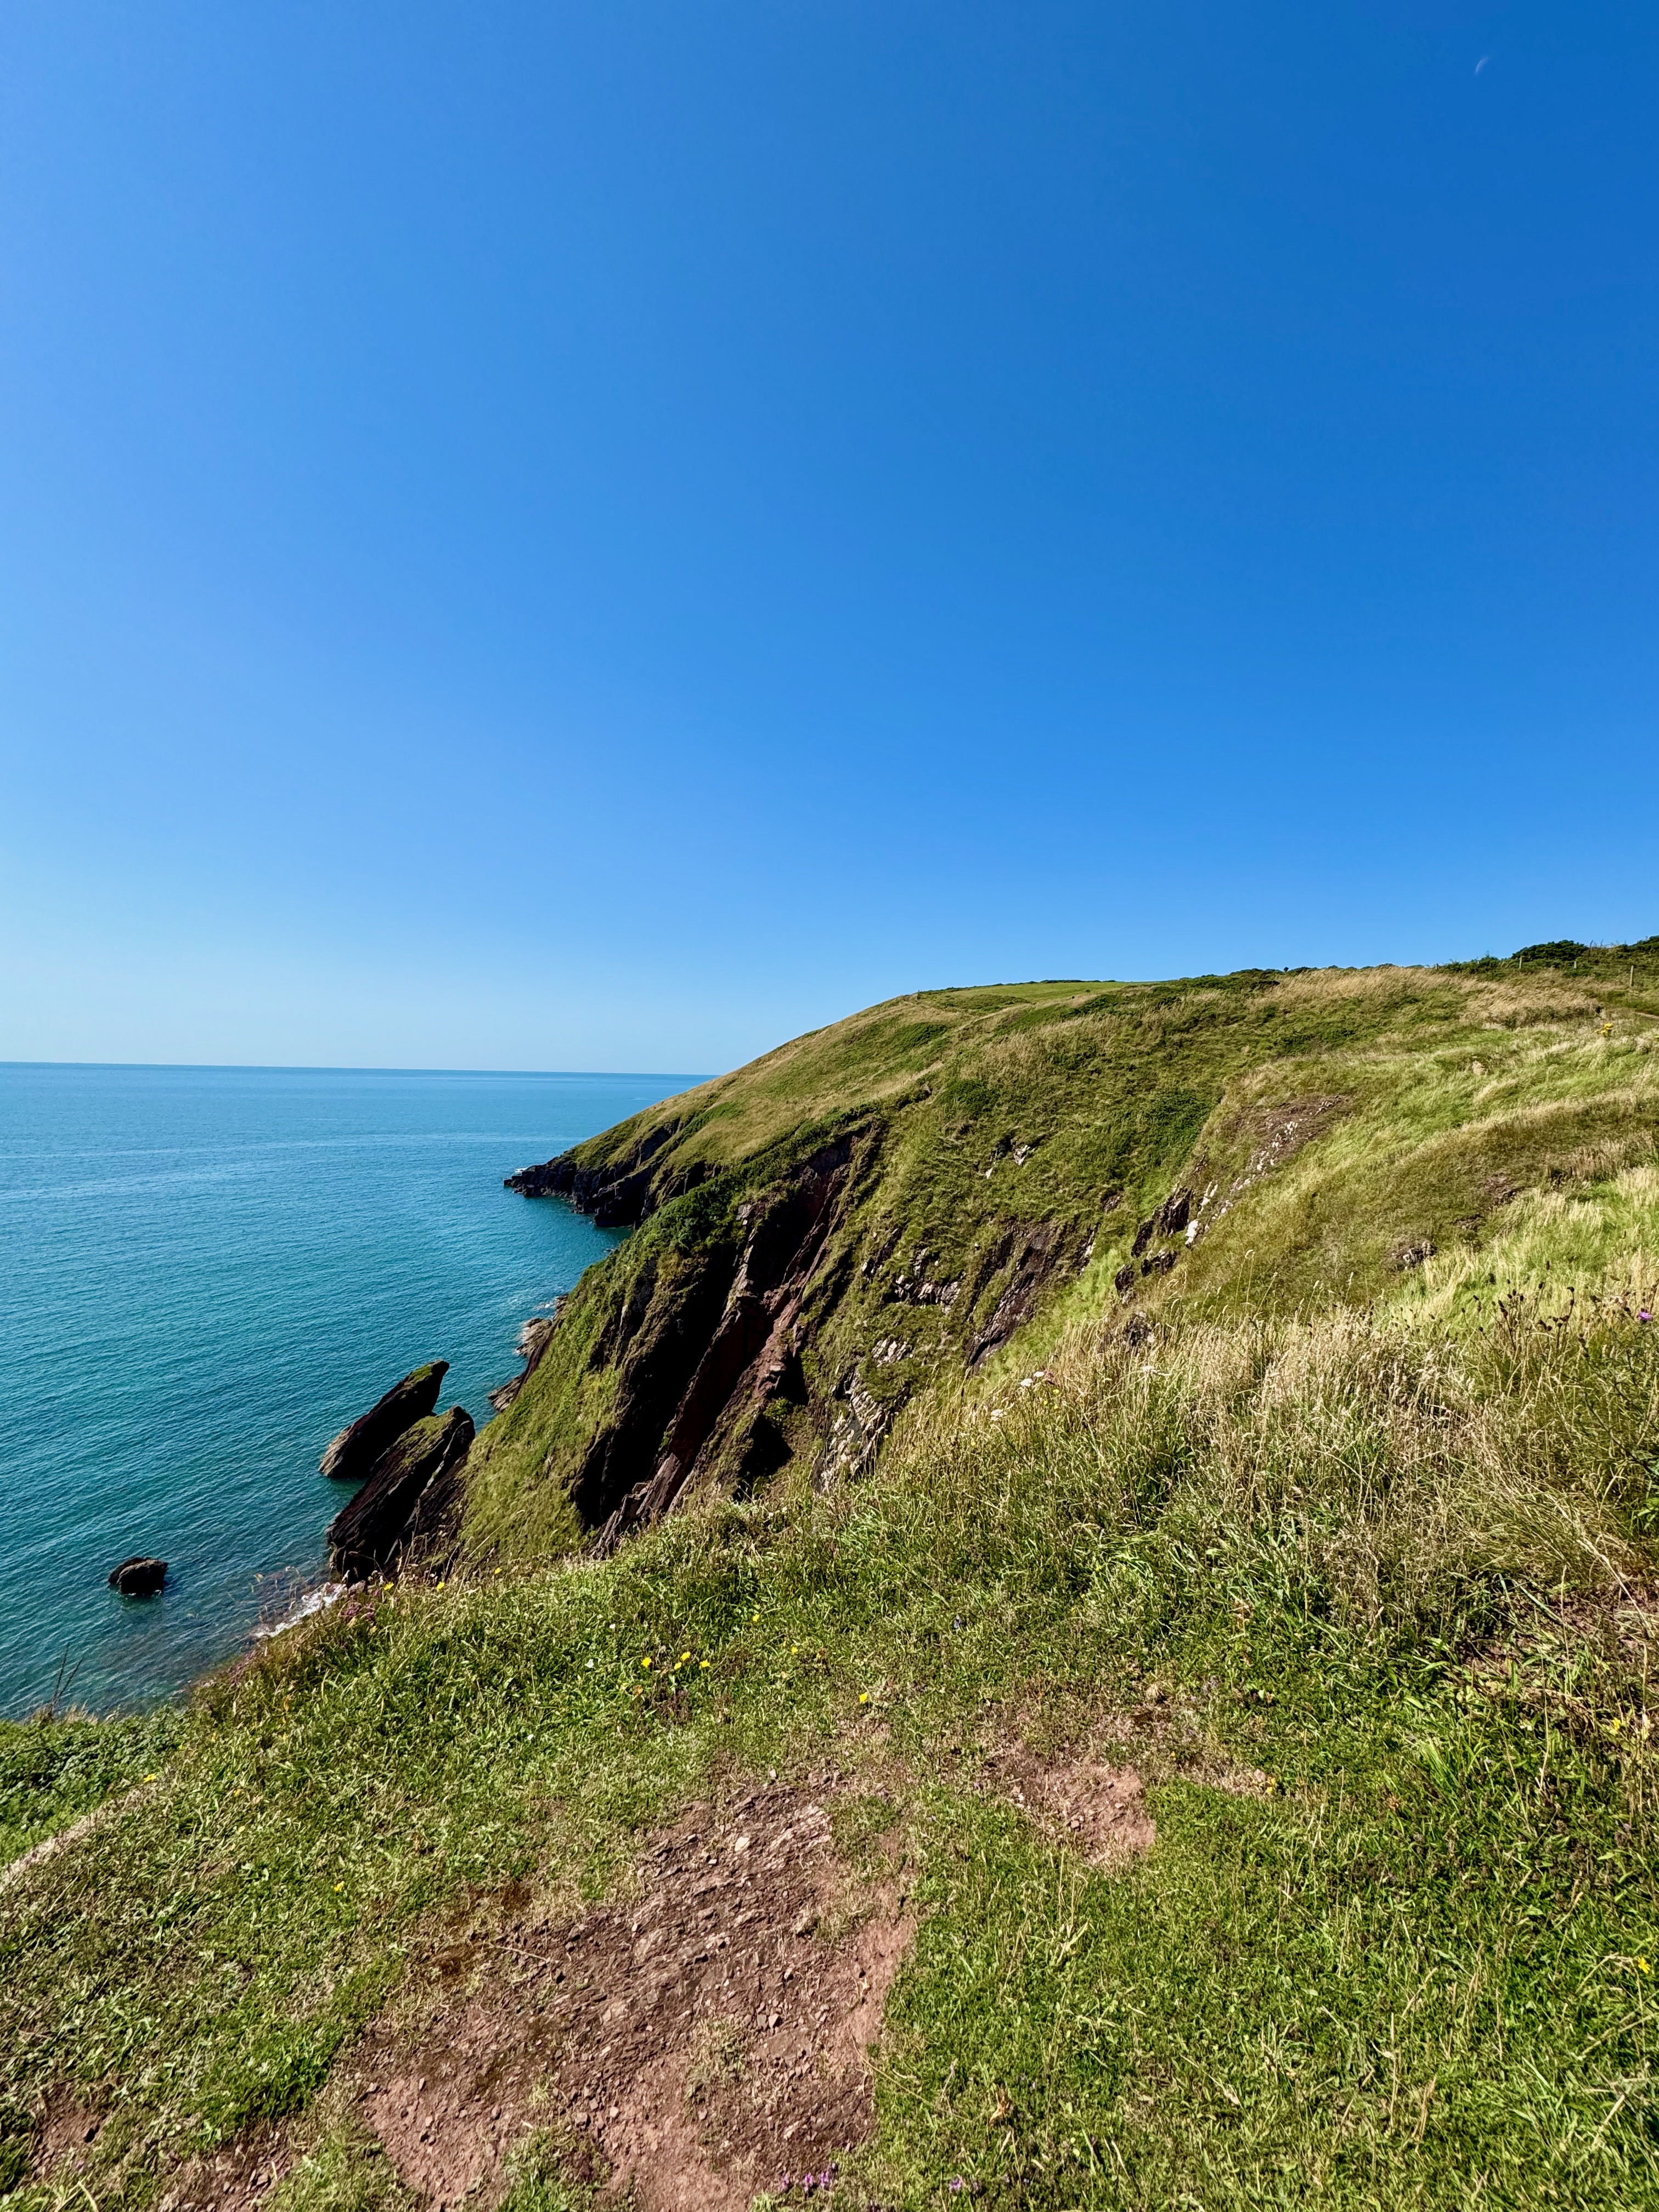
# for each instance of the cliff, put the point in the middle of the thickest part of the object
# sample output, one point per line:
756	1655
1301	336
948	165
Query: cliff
880	1206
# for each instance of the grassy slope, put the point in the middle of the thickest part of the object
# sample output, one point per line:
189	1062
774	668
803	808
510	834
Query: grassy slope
1383	1541
1453	1097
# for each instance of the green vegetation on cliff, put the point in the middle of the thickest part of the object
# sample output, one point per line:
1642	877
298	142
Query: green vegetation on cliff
1338	1534
988	1156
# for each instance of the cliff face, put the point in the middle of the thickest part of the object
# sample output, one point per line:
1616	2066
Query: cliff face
885	1204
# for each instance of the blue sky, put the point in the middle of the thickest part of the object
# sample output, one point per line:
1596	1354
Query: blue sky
608	535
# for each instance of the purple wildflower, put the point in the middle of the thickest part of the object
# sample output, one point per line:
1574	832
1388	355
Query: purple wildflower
1645	1315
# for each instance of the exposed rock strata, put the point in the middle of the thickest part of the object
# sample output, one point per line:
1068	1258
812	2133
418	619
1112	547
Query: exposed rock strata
1038	1251
728	1351
724	1352
354	1452
409	1491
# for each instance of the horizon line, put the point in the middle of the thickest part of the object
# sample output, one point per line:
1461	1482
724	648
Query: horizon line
343	1067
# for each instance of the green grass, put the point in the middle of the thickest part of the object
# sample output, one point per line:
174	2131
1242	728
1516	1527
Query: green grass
1412	1968
57	1768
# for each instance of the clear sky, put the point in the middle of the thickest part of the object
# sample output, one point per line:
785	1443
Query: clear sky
605	535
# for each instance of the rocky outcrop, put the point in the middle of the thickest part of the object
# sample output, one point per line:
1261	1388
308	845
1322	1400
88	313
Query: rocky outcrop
1037	1252
355	1452
747	1356
1174	1219
139	1576
410	1489
703	1343
660	1337
726	1351
618	1193
533	1340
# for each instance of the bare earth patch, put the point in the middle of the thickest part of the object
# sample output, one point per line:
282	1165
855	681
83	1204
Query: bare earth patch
67	2126
1098	1810
235	2179
691	2045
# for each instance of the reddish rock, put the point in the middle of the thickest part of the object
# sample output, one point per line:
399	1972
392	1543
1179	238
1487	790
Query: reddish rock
369	1536
355	1451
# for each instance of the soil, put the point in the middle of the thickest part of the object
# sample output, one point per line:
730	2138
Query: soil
1098	1810
705	2040
67	2127
237	2178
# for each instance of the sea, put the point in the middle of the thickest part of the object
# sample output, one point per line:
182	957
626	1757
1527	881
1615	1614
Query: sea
205	1273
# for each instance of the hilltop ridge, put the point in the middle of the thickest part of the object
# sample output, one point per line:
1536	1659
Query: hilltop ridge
892	1199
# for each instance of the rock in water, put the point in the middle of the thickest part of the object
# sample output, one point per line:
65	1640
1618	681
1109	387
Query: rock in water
368	1535
139	1576
354	1450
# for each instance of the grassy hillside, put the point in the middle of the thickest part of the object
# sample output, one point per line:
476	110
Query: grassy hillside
1004	1150
1322	1558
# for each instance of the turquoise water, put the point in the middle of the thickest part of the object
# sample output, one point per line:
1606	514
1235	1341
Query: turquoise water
204	1273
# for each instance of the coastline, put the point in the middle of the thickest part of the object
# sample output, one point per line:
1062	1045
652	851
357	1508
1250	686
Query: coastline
209	1272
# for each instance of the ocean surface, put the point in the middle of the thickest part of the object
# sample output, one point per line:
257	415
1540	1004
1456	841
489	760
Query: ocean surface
205	1274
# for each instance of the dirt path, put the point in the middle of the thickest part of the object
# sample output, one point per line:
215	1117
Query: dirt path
693	2046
